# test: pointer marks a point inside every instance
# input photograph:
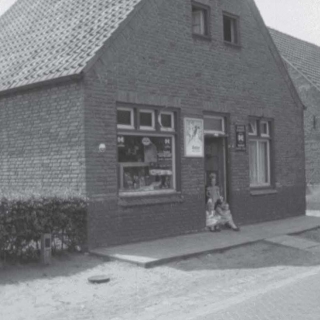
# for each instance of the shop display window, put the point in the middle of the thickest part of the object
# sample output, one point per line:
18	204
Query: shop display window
146	163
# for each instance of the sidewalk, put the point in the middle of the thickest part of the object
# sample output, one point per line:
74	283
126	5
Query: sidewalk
153	253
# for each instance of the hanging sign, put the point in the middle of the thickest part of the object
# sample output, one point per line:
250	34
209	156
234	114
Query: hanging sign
241	141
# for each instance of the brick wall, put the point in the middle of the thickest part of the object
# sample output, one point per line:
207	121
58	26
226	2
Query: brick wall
42	141
156	61
310	96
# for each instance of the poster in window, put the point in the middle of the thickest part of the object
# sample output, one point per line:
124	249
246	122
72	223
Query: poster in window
193	137
241	144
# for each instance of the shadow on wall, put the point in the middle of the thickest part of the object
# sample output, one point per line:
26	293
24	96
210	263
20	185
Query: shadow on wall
313	197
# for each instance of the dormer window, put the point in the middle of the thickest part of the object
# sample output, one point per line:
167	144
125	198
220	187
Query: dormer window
200	19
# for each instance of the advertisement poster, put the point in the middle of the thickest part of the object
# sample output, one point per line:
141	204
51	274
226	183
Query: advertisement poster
193	137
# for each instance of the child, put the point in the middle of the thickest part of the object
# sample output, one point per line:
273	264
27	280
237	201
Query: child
212	219
221	209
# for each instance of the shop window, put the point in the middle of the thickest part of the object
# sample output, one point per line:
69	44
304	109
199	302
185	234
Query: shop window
214	125
259	153
200	19
146	161
230	28
125	118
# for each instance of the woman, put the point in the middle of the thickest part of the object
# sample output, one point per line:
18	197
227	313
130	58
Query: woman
218	212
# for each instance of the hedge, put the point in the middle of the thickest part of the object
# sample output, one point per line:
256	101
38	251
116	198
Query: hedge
23	220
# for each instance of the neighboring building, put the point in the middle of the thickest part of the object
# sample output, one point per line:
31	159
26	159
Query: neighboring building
303	63
108	99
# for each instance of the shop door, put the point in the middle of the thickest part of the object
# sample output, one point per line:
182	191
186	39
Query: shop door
215	162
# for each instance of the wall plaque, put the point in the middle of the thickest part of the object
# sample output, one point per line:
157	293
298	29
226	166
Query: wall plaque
241	139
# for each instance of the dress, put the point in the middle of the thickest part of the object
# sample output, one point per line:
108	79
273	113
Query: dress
220	215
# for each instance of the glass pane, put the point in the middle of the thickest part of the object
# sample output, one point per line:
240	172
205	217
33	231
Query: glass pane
124	117
198	21
166	120
145	163
234	31
253	127
264	128
146	119
263	162
213	124
253	162
227	28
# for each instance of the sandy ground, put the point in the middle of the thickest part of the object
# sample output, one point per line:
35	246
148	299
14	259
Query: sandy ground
62	291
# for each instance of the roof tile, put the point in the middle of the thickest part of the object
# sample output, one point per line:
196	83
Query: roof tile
304	56
43	39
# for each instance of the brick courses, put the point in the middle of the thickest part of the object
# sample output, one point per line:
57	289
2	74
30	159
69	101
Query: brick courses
42	141
156	61
50	135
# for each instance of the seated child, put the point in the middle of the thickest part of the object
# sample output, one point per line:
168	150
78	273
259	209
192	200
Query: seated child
221	209
212	219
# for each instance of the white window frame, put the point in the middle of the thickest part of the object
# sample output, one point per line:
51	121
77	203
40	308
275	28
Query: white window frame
137	164
259	169
153	126
124	126
216	132
160	121
267	134
254	125
234	20
199	11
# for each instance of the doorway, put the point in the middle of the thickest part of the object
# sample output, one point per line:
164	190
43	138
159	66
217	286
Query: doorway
215	162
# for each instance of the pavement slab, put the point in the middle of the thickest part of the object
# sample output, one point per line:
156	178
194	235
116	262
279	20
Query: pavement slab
153	253
294	242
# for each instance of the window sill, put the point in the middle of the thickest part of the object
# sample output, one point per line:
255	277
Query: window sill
261	192
233	45
201	37
142	199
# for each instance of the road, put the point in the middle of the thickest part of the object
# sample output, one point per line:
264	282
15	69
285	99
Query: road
295	298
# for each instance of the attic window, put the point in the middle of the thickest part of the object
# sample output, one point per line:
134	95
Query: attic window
200	19
230	28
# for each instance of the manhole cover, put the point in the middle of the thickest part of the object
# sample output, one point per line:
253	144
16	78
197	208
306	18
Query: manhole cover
99	279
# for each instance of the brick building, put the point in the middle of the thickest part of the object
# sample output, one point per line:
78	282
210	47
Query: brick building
303	63
134	103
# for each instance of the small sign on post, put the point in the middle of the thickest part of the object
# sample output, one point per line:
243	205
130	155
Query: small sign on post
46	249
241	140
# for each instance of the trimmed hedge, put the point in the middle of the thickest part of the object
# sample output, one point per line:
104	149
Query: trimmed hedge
23	220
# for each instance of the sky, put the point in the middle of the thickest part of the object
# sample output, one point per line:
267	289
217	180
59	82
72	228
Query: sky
299	18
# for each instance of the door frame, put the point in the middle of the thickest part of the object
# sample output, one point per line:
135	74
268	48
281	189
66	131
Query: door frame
224	144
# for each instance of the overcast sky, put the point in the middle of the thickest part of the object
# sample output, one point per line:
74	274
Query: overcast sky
299	18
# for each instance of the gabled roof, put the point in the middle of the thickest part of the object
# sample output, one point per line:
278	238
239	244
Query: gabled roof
48	39
301	55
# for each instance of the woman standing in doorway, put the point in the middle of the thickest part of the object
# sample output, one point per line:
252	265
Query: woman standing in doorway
218	213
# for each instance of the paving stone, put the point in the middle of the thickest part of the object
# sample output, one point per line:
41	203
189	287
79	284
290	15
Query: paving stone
294	242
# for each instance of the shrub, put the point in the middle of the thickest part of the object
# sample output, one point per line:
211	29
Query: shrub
23	220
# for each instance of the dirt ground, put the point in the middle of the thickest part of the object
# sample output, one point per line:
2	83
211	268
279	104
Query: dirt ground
62	291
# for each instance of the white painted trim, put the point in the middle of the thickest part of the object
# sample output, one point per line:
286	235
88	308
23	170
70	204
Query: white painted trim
124	126
153	122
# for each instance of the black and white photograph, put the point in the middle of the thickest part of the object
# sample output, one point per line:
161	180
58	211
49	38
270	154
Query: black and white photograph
160	159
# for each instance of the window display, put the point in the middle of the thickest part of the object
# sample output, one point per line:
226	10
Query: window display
146	163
